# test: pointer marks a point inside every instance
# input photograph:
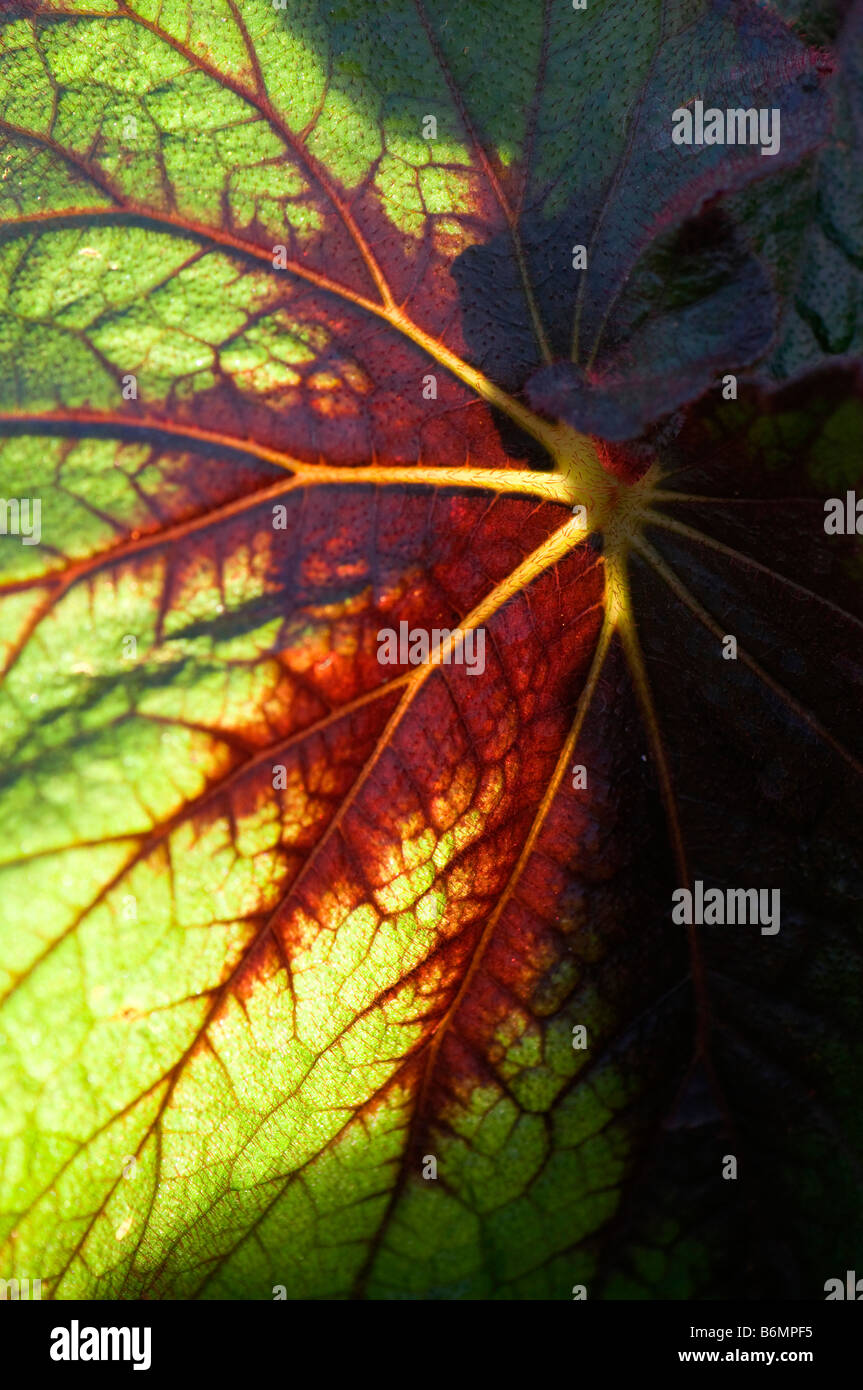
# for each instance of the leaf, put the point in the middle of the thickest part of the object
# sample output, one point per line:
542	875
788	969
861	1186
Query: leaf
297	947
671	297
708	305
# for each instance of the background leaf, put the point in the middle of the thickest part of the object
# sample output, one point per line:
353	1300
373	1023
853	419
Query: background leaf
809	227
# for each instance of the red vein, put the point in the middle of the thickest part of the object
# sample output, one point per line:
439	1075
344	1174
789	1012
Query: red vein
148	424
151	840
388	312
262	104
549	486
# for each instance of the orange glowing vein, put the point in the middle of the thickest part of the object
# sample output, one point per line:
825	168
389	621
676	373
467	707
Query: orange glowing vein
584	702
